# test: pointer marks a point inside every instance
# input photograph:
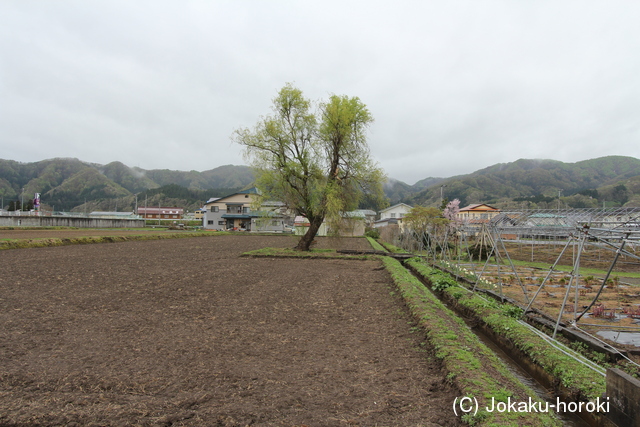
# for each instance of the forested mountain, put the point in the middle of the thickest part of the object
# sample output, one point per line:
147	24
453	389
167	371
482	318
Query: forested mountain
71	184
612	181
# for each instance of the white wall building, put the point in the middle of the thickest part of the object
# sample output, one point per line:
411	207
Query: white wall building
392	215
395	211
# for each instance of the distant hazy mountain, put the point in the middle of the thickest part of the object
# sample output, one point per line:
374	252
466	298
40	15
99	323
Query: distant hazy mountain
70	183
398	191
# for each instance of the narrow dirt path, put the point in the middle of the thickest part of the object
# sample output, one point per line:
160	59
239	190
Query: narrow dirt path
185	332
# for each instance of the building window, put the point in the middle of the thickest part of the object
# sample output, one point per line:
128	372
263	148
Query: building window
210	222
214	208
221	222
234	210
393	215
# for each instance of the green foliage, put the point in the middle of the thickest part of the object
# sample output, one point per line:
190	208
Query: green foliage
374	233
423	219
474	420
317	163
375	245
512	311
391	248
134	181
589	193
228	176
441	281
538	198
174	191
86	184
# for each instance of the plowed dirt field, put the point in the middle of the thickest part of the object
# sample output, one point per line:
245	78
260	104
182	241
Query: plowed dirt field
187	332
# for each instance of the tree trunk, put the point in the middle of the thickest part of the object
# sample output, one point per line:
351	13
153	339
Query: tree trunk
305	241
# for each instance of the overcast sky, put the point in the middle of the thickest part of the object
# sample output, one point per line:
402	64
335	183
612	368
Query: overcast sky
454	86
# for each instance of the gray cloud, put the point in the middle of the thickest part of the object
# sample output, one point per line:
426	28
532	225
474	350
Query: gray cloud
453	86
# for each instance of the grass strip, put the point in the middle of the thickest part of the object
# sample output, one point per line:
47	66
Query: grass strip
474	369
38	228
375	245
55	241
579	381
312	254
393	249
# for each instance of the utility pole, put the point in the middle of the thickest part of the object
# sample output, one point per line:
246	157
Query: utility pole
559	191
22	201
442	194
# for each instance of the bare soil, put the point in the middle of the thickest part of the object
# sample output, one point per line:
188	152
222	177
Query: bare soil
186	332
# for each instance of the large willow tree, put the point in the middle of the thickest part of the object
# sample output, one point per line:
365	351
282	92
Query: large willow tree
315	161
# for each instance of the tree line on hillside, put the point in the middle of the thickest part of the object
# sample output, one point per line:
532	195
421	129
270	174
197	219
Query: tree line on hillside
609	181
16	205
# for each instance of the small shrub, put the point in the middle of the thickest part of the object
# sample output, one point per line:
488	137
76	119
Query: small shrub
512	311
374	233
456	293
441	282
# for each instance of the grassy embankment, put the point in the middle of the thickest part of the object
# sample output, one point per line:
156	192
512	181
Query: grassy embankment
573	377
62	241
473	368
375	245
313	253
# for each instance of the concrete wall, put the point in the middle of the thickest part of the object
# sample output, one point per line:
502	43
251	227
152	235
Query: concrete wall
623	392
270	225
61	221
